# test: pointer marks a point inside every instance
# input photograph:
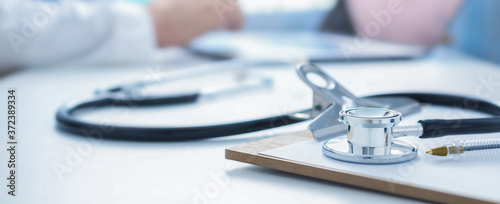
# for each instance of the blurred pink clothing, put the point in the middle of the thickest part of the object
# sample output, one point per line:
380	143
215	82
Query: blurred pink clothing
422	22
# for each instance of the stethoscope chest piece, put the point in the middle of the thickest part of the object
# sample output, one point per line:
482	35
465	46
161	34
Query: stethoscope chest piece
369	138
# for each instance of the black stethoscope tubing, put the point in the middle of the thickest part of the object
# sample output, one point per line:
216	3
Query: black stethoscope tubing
432	128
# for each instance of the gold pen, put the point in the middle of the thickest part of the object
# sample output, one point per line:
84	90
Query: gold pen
469	148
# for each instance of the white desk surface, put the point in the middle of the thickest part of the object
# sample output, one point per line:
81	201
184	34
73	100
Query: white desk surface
196	171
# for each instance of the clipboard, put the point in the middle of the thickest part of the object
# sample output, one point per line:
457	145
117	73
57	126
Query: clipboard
249	153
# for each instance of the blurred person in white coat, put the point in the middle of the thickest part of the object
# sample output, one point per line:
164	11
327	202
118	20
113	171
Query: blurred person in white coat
41	32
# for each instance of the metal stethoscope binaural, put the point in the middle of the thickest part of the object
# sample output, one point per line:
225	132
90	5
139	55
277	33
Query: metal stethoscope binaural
370	122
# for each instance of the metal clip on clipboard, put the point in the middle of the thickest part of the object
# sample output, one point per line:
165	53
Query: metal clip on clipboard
330	97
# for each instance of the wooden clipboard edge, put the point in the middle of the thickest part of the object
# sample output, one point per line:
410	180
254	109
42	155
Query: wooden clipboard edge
249	153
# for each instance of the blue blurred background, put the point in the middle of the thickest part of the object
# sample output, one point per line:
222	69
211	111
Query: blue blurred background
476	29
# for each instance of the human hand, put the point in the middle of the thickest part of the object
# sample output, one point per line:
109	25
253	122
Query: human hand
176	22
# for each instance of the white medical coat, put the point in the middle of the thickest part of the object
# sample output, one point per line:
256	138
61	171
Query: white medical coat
38	33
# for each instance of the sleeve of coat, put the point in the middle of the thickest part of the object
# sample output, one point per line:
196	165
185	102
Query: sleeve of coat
38	33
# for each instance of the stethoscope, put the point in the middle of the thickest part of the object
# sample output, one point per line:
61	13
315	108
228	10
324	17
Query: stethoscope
131	94
370	122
